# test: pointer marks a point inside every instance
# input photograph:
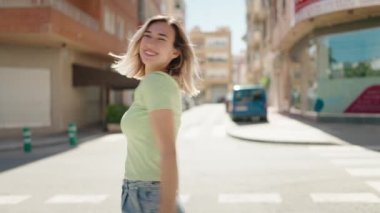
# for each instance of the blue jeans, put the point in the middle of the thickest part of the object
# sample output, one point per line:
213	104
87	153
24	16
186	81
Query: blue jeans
142	197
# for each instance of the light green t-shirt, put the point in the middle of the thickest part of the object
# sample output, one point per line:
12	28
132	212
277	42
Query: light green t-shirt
157	90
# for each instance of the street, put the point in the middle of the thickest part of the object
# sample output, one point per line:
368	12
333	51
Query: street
218	174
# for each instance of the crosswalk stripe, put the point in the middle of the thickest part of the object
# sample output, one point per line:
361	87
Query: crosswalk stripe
250	198
336	148
374	184
64	199
12	199
344	198
364	172
356	162
366	154
190	133
184	198
219	131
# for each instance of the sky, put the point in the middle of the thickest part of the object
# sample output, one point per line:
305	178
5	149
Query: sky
211	14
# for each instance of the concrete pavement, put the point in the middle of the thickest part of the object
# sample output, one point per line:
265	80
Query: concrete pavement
280	128
293	129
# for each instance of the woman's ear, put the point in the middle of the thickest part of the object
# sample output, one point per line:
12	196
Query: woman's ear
176	53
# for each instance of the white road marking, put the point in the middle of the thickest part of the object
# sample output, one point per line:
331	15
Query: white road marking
74	199
356	162
345	198
350	154
190	133
364	172
250	198
12	199
335	148
374	184
219	131
184	198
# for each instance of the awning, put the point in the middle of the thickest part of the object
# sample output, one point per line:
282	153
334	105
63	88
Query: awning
90	76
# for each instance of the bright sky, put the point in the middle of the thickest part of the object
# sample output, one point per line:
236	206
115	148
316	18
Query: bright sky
211	14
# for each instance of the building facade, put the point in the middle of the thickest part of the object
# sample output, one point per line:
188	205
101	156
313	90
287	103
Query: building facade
175	8
324	57
213	50
149	8
54	62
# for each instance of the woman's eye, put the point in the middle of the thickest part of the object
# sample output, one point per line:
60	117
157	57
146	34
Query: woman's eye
146	35
161	39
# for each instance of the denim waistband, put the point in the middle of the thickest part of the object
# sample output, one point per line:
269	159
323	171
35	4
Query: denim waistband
139	183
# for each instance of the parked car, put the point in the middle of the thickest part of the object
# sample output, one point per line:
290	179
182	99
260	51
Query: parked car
247	102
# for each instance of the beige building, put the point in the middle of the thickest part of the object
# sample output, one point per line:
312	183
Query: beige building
239	70
214	53
175	8
323	56
256	46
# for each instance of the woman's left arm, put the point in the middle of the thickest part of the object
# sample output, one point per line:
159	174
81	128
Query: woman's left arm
162	122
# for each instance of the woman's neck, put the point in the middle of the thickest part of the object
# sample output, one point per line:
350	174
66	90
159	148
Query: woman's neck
153	69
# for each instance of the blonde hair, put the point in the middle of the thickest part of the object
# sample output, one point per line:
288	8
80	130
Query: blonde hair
185	66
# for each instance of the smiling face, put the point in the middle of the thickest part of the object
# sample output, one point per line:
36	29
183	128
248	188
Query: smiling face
156	47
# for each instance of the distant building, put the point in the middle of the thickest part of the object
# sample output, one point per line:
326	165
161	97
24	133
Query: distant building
256	45
54	62
149	8
175	8
214	52
239	70
323	55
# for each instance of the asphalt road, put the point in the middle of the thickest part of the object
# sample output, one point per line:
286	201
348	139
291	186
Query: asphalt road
218	174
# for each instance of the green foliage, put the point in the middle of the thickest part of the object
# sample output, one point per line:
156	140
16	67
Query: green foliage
265	82
361	70
115	112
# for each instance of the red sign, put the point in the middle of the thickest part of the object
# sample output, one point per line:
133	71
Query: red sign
367	102
303	3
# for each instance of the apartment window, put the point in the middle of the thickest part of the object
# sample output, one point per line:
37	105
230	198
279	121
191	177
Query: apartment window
120	30
217	42
217	57
217	73
109	21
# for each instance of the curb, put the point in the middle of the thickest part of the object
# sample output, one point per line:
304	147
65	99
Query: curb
51	142
282	142
233	131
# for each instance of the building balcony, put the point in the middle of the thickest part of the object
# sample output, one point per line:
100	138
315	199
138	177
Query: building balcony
54	23
255	41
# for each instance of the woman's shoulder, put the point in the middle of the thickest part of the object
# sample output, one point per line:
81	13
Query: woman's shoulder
160	78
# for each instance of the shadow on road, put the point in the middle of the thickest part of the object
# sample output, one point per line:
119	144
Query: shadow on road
360	134
15	158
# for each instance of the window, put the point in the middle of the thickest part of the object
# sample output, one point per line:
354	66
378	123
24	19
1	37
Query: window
217	73
217	42
352	54
109	21
217	57
120	30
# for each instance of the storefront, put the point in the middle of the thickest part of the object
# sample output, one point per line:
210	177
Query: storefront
334	71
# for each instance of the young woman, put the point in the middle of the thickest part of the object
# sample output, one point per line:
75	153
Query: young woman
161	55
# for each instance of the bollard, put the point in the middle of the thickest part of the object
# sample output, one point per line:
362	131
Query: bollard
27	135
72	131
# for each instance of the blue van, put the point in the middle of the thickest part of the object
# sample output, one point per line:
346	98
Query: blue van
246	102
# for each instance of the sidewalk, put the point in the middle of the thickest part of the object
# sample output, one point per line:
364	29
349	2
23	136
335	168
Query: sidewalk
16	143
293	129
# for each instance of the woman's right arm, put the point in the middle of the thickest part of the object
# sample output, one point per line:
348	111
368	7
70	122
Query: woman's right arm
162	122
